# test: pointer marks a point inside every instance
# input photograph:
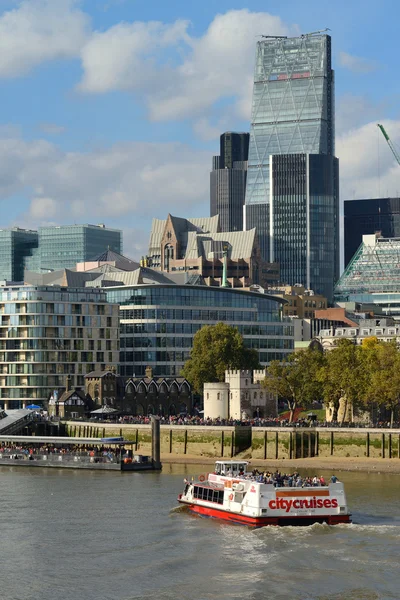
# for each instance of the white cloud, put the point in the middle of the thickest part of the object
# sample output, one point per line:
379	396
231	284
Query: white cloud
367	166
215	66
51	128
38	31
356	64
126	56
127	181
354	111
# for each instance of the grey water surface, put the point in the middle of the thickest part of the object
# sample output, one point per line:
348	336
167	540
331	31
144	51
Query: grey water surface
78	535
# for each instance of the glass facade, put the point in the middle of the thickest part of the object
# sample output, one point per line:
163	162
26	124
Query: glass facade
157	324
292	109
228	181
363	217
48	333
17	246
62	247
373	275
304	220
292	124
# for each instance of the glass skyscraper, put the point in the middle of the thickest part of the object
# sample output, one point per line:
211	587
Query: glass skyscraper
17	246
61	247
291	200
228	180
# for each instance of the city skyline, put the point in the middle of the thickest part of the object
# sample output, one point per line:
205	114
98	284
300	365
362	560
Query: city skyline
85	132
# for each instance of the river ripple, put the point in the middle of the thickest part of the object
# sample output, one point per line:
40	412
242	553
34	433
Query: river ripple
75	535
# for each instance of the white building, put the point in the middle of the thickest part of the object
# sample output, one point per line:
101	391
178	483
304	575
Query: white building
241	396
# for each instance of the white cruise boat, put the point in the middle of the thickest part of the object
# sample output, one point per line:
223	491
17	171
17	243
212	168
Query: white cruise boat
232	494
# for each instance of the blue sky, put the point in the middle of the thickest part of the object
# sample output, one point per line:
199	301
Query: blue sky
111	109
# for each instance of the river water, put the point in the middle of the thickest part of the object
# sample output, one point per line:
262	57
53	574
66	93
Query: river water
78	535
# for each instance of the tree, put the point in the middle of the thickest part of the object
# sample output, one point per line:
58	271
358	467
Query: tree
384	388
295	378
344	375
215	349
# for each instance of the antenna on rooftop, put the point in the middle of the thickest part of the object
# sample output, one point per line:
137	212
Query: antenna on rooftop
303	35
273	37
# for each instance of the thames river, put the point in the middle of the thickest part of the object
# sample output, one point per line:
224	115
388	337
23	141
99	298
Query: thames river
77	535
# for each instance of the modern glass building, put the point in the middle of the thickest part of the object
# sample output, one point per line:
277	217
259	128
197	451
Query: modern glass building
293	115
17	246
228	181
61	247
369	216
373	275
158	322
48	333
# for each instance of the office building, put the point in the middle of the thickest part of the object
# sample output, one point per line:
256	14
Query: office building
62	247
373	275
161	312
292	179
300	302
369	216
199	248
17	246
53	248
48	333
159	321
228	181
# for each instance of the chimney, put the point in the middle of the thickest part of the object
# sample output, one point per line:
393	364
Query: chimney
149	372
68	383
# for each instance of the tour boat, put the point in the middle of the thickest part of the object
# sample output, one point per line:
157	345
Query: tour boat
233	495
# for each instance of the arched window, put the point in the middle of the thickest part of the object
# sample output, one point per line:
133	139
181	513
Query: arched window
208	396
247	381
172	410
139	410
218	396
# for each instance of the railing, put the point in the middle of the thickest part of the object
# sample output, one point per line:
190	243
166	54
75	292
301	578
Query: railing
65	458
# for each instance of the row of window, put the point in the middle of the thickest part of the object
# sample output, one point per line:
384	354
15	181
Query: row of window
209	494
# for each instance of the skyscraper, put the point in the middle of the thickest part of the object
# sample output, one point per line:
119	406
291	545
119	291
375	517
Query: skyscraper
292	180
63	246
363	217
228	180
17	246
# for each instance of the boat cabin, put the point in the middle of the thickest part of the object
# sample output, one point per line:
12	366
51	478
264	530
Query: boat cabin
230	468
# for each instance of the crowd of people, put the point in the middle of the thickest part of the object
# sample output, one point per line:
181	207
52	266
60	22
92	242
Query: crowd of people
30	452
269	421
287	480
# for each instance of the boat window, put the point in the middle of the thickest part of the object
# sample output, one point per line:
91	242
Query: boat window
210	495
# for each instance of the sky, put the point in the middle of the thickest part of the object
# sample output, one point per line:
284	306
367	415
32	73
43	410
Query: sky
111	110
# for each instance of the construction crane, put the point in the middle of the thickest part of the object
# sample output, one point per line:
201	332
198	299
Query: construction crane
390	143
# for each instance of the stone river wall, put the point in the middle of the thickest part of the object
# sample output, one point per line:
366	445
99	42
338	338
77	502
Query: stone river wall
256	442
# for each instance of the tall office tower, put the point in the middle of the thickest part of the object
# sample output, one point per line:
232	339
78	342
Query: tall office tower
369	216
16	248
64	246
228	180
292	180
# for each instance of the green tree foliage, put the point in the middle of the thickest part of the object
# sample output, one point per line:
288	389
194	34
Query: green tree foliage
384	377
215	349
295	379
344	375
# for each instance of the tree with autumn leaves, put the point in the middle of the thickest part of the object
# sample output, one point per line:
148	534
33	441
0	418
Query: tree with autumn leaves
367	376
